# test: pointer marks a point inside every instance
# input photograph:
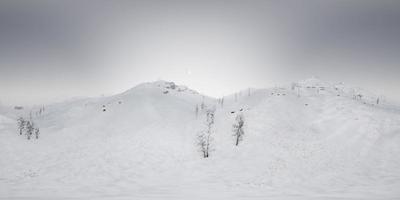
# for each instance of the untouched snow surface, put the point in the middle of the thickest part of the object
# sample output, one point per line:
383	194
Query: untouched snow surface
313	141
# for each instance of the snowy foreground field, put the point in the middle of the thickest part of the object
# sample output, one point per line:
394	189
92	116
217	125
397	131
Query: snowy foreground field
312	140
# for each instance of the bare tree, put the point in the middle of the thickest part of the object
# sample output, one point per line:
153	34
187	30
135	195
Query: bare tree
37	133
202	105
205	137
197	110
221	102
238	131
21	124
29	129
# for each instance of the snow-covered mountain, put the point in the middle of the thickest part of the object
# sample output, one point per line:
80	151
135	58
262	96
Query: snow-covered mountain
311	139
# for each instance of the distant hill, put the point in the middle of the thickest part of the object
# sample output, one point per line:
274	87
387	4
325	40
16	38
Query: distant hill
309	140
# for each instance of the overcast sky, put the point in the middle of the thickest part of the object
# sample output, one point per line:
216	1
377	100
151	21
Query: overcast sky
57	49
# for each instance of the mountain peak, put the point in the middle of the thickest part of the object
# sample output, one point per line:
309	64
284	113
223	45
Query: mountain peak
163	85
313	81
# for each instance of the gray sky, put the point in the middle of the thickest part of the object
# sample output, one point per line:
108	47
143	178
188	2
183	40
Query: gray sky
56	49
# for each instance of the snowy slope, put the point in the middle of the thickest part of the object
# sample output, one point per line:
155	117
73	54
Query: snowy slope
311	141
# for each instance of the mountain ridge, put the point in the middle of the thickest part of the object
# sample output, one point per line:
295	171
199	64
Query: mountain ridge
303	140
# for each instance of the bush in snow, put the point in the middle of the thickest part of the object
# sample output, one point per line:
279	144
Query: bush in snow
205	137
238	131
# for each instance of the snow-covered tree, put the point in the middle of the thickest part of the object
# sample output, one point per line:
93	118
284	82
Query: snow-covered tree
205	137
238	131
29	129
21	124
37	133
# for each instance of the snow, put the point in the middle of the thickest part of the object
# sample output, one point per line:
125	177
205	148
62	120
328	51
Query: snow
304	143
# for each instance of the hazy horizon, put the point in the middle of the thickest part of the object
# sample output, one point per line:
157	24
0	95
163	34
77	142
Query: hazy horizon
57	50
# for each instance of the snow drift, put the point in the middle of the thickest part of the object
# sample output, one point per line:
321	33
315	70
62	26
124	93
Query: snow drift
309	140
